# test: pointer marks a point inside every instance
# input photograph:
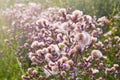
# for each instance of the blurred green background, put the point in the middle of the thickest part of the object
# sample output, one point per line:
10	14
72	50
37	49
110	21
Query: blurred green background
91	7
9	67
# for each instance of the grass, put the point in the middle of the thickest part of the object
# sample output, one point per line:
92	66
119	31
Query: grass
9	68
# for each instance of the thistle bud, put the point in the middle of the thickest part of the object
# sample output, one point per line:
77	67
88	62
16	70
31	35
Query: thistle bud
26	77
78	48
64	59
71	52
94	71
26	45
113	69
70	62
116	65
77	13
80	36
39	52
35	72
63	73
48	57
63	11
34	44
30	70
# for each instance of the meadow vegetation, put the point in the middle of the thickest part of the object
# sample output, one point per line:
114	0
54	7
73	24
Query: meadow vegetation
17	50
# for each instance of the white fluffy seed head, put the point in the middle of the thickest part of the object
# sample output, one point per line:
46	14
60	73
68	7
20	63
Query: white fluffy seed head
96	53
83	39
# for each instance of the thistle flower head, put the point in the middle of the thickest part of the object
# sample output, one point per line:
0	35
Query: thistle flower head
35	44
63	73
48	57
102	21
77	13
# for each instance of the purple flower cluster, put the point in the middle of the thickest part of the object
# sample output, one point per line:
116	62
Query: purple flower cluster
63	44
22	16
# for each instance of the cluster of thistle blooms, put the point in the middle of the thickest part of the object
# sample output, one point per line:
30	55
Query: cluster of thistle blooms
110	41
66	45
62	44
21	15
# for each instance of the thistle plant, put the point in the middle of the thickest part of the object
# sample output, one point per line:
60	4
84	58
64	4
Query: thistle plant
61	44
